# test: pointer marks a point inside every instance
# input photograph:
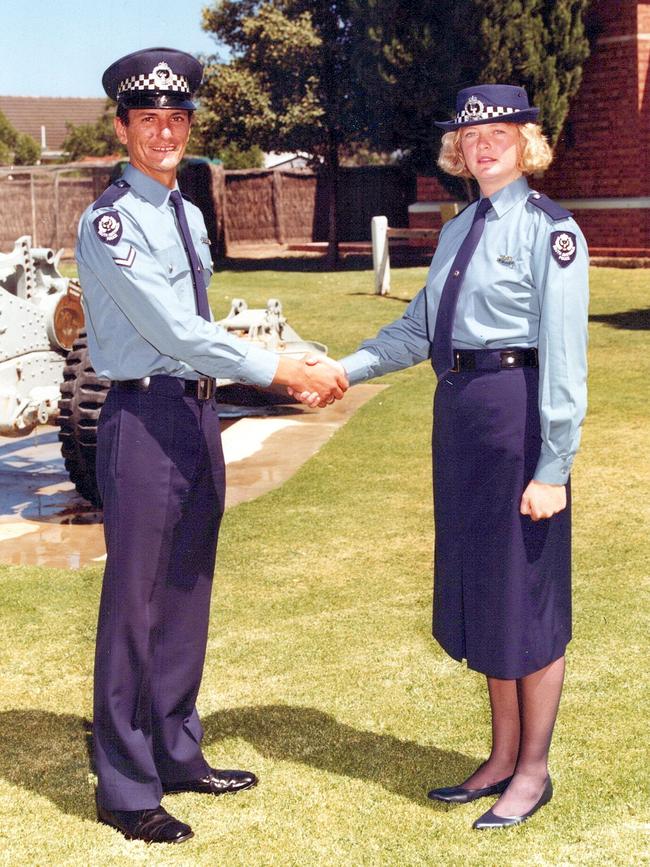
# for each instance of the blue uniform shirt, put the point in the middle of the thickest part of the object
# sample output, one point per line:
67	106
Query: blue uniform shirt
139	298
517	291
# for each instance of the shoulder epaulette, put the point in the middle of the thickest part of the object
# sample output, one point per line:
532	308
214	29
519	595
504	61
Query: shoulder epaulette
554	211
111	194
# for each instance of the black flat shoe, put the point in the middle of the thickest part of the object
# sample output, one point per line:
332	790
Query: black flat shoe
152	826
491	820
459	795
215	783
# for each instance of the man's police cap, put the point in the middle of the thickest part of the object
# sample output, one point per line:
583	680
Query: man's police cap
490	103
154	78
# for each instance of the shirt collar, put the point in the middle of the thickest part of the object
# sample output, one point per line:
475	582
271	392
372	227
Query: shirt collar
505	198
151	190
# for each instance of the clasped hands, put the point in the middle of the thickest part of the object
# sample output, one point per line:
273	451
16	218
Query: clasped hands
315	380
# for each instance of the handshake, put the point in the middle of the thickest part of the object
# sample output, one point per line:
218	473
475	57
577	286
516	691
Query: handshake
315	380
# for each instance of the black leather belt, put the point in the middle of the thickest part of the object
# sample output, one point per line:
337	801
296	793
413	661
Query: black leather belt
467	360
202	388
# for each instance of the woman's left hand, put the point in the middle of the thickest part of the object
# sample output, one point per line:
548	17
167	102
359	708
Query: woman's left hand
540	500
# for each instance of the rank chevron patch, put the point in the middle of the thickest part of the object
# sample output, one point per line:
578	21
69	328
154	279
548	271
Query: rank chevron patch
126	262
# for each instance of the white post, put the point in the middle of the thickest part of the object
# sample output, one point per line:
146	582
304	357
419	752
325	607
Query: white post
380	259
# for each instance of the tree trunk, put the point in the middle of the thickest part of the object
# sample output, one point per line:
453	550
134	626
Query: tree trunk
331	184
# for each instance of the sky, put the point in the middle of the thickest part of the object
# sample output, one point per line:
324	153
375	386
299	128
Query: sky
62	47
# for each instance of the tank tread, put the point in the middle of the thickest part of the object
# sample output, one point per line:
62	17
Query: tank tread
82	396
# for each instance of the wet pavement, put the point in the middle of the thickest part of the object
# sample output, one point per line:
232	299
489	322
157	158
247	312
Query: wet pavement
43	521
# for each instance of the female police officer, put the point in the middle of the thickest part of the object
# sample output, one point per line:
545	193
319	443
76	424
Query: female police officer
503	318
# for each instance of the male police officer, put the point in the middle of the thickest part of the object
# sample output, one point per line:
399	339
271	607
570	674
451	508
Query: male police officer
144	262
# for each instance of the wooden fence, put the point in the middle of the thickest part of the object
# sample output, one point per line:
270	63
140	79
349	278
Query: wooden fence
245	206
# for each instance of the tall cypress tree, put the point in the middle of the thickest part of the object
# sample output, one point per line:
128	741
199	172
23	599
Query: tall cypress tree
540	44
416	58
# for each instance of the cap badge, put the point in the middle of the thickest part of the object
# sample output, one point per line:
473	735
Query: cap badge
474	107
162	73
563	247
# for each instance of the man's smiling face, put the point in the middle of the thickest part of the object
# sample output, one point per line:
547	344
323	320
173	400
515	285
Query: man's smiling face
156	139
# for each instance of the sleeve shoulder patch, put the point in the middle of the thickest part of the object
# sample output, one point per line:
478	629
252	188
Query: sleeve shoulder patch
563	247
108	227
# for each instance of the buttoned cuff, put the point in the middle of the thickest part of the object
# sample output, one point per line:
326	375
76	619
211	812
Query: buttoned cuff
359	366
551	469
258	367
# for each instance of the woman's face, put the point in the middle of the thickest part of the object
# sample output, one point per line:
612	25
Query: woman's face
491	151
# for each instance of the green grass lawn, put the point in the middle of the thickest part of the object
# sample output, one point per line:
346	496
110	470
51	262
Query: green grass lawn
321	673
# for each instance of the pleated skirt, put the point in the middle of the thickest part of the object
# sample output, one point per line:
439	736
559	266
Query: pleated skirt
502	582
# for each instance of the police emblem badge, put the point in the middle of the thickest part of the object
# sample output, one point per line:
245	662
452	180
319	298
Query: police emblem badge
563	248
108	227
474	107
162	73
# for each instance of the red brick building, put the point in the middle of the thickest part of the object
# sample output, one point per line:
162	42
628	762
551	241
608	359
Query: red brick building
601	169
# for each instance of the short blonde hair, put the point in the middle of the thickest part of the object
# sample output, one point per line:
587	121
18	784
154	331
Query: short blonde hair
534	155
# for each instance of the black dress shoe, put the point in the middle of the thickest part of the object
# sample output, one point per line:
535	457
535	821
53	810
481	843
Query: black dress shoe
460	795
215	783
491	820
152	826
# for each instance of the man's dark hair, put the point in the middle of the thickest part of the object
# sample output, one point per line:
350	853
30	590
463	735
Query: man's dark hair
122	112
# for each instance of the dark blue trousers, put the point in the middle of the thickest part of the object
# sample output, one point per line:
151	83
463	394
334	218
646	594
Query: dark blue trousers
161	474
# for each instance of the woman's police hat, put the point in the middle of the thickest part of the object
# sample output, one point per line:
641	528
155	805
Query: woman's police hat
154	78
490	103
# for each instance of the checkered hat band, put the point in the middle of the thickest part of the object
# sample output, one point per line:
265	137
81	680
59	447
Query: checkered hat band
177	83
488	113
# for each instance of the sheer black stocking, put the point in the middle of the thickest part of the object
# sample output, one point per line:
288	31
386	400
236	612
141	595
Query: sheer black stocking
504	705
539	697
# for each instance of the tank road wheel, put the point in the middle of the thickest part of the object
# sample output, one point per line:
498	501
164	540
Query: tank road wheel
82	396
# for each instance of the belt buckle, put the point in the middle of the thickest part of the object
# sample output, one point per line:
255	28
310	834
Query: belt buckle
205	387
456	367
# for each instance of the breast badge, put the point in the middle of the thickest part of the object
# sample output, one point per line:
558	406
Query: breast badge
108	227
508	261
563	248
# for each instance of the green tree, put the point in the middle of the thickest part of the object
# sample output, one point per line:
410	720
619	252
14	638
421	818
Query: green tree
232	156
92	139
291	83
417	57
540	44
26	150
16	148
6	154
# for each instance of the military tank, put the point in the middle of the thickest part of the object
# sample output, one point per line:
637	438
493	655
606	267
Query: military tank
46	375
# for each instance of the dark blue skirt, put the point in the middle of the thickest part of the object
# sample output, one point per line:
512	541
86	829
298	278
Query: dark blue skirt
502	583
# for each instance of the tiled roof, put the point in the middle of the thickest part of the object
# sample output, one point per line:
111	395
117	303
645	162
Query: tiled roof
29	113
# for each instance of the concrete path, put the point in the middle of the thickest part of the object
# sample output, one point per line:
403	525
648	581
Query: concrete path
43	521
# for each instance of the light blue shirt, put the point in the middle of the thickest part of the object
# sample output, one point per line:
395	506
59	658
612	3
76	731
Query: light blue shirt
515	293
139	298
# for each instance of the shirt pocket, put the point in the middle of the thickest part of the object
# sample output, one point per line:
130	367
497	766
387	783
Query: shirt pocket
174	262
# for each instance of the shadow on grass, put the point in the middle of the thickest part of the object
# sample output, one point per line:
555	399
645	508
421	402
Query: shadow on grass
310	737
49	754
630	320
